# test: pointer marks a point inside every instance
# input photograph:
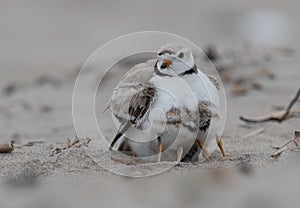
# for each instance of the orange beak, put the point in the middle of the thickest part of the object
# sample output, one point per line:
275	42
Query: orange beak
167	62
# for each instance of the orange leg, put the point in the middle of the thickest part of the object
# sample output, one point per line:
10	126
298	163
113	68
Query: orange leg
204	149
220	145
179	153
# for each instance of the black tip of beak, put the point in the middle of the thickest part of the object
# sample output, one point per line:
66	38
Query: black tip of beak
163	66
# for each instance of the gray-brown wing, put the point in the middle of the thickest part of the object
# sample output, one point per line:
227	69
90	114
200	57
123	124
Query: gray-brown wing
141	102
129	104
131	101
134	95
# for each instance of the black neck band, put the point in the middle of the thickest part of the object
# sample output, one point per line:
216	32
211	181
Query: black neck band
193	70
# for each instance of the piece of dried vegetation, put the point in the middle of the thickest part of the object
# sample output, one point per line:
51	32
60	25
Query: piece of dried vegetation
258	131
77	143
7	148
288	146
279	116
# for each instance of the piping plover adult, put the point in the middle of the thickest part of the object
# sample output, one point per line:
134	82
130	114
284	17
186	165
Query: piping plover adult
165	107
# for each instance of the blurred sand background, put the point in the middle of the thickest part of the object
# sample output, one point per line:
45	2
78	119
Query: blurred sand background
45	43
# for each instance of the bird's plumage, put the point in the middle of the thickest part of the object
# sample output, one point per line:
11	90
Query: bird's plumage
187	103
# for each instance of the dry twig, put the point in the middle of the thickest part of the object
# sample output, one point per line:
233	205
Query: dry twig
279	152
277	116
285	147
259	131
76	143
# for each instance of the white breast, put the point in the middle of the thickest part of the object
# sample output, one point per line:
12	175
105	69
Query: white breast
173	92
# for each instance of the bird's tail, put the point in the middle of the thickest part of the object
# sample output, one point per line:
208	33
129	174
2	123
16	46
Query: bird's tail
120	133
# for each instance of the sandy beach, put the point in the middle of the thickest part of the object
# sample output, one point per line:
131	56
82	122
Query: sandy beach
37	82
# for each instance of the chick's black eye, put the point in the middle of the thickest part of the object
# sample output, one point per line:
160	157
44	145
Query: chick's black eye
159	54
181	55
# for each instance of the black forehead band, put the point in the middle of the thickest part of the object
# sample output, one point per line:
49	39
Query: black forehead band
166	51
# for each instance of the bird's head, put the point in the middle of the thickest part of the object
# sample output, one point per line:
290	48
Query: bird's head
174	58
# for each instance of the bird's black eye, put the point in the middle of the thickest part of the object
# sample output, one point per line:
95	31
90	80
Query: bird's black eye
181	55
160	54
